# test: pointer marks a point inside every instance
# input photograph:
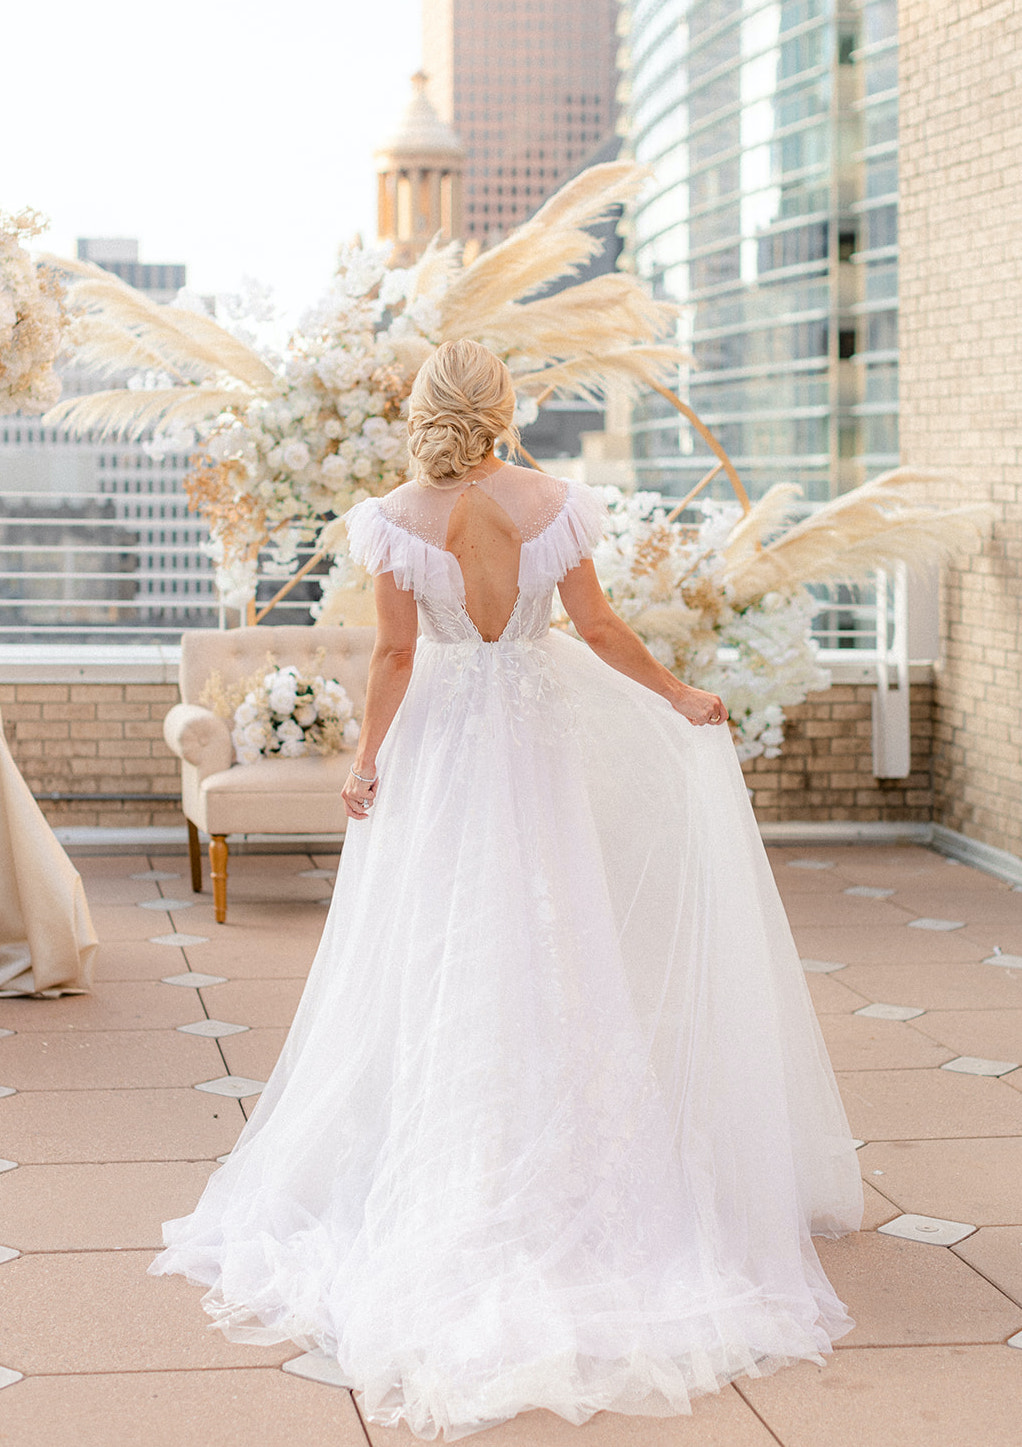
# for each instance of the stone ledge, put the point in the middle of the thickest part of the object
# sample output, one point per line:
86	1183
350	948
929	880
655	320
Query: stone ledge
158	663
91	663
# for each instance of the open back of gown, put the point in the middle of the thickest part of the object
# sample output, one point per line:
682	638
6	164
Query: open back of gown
554	1121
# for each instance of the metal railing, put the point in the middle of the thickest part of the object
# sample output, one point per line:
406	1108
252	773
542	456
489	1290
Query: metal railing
108	569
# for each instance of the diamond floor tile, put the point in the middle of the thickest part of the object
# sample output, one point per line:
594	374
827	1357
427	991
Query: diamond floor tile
212	1029
167	904
936	924
8	1377
867	891
930	1230
193	980
9	1253
235	1086
315	1367
890	1012
157	876
182	941
976	1065
822	967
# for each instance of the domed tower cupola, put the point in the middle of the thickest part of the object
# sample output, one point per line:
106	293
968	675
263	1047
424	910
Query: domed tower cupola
419	172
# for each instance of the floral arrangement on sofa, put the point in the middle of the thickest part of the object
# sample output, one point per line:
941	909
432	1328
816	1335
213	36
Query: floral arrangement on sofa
283	713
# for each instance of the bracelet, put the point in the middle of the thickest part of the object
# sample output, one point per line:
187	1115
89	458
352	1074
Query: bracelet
360	778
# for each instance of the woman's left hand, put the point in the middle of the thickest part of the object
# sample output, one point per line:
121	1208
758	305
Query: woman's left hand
359	798
700	707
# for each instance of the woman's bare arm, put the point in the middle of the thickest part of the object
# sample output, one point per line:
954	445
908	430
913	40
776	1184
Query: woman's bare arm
611	639
390	668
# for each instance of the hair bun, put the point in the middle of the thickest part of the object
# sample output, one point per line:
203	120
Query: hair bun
462	402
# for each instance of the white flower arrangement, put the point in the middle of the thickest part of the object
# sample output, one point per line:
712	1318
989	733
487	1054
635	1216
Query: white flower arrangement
286	714
668	581
333	432
32	320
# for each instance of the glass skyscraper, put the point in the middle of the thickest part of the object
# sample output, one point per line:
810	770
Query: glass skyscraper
771	130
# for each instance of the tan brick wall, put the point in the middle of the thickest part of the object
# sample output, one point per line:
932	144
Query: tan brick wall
961	376
106	738
94	738
826	768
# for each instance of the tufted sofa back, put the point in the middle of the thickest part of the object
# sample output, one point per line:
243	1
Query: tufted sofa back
236	653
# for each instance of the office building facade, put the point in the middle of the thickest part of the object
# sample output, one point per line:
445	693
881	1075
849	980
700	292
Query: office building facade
771	130
97	542
529	86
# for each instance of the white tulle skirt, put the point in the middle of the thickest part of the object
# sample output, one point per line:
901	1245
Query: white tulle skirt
554	1122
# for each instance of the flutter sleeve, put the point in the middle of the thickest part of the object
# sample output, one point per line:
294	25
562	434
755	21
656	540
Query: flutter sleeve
572	536
382	546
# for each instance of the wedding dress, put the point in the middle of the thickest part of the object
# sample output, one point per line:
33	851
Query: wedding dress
554	1122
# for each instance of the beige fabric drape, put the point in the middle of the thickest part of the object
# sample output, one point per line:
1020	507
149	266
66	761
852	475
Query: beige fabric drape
47	941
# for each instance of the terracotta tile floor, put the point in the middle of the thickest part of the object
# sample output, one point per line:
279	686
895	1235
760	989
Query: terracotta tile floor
109	1137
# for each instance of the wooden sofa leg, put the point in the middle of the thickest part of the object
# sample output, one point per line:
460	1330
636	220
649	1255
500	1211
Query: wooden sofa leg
195	857
218	868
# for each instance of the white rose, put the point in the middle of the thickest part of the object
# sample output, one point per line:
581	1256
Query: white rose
255	735
246	754
306	714
295	456
334	468
352	729
246	713
282	701
361	467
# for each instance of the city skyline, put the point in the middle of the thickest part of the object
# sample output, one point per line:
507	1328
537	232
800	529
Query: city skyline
256	157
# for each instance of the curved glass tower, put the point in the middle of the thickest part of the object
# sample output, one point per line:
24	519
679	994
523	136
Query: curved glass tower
771	130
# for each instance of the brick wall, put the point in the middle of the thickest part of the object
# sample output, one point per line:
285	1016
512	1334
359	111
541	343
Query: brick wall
961	376
94	738
826	768
107	738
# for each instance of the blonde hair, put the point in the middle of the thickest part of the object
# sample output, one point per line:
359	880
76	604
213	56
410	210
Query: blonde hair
463	401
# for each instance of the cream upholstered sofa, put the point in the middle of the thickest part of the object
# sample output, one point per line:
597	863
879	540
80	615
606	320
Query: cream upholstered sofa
273	796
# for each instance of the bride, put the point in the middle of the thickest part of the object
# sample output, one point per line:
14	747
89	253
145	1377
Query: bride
554	1123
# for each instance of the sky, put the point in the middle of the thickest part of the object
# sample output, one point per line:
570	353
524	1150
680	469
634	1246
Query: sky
235	136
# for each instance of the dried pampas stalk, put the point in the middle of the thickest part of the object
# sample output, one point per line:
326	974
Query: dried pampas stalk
629	368
552	244
873	526
125	413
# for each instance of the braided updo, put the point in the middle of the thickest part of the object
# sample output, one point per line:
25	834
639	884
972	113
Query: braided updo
463	401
